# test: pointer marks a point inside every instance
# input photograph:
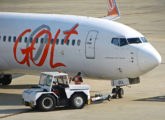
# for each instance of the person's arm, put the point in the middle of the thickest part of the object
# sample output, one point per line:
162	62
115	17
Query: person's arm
81	80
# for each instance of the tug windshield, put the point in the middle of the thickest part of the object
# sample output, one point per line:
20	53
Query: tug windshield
45	80
62	80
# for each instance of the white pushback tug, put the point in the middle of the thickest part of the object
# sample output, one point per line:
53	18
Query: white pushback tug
55	90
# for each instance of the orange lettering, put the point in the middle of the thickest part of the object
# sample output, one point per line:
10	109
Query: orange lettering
73	31
26	52
52	52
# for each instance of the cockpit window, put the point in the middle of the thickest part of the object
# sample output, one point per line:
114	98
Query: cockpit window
123	41
115	41
134	40
144	39
119	41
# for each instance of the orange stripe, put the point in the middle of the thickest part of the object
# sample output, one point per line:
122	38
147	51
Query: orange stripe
110	3
113	12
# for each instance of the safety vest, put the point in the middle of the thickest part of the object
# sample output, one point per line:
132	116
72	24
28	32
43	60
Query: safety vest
77	80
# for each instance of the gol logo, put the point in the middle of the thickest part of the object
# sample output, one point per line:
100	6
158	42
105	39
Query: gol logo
28	51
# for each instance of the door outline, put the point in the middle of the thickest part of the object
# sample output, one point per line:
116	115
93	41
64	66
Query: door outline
87	44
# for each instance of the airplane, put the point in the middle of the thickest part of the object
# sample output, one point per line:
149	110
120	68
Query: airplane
97	47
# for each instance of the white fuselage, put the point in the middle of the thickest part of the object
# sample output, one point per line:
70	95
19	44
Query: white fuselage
92	53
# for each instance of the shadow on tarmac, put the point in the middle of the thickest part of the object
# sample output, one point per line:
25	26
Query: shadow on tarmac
24	110
153	99
8	99
14	111
18	86
17	75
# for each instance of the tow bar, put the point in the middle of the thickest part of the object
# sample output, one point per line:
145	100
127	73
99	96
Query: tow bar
100	97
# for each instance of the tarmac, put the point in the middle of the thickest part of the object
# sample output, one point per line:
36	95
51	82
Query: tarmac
144	101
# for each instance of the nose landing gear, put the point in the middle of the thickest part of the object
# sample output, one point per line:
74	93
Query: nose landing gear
117	92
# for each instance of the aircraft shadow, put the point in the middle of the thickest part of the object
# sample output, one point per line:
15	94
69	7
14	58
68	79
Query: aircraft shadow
153	99
10	99
17	75
12	112
18	86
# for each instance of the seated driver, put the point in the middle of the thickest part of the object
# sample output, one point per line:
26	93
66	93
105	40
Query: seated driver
55	81
54	84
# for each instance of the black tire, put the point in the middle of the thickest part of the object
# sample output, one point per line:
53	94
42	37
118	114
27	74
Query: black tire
46	103
34	108
6	80
120	93
77	101
114	91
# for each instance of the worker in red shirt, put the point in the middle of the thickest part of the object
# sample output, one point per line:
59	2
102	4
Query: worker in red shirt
77	79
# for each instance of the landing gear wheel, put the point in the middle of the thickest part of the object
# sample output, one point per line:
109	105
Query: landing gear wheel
114	91
120	93
6	80
46	103
117	92
77	101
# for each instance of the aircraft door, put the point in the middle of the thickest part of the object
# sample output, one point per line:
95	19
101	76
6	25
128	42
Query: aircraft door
90	44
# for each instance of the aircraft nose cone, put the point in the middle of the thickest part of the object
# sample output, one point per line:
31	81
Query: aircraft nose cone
148	58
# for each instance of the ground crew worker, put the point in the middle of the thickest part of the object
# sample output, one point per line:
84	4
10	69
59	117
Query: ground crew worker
77	79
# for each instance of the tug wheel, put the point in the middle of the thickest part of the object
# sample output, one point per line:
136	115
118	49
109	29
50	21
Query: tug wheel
77	101
46	103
